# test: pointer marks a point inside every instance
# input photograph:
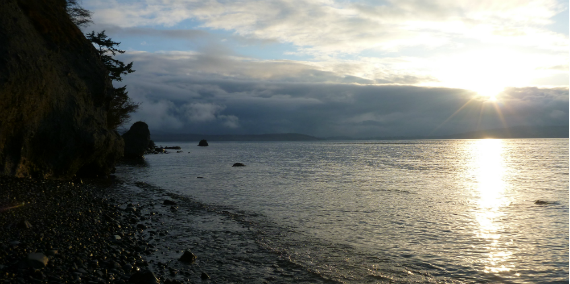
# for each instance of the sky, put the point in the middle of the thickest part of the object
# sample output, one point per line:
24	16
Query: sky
351	68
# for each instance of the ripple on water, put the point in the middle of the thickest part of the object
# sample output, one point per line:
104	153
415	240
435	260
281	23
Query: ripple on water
421	211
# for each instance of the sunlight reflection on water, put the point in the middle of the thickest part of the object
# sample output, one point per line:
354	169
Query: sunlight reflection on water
488	167
366	212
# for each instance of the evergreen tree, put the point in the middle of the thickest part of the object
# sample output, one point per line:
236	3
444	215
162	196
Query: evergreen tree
78	15
121	105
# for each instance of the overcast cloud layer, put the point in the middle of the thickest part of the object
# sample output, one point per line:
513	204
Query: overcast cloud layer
346	68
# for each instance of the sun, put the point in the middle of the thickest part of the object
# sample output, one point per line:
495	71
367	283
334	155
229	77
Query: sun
489	92
487	72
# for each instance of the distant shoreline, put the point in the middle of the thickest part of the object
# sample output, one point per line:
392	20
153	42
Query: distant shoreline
518	132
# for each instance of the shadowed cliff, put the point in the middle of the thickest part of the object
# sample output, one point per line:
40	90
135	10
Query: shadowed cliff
54	96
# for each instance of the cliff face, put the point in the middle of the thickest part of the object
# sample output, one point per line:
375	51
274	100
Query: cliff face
54	96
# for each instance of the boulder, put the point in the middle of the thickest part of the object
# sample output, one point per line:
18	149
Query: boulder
187	257
37	260
25	224
54	96
144	277
136	140
203	142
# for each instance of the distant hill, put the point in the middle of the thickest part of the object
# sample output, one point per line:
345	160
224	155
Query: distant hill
500	133
167	137
514	132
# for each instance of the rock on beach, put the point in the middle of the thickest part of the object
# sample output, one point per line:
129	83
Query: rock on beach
188	256
37	260
79	234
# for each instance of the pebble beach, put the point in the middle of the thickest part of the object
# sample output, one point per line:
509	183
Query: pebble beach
66	232
116	231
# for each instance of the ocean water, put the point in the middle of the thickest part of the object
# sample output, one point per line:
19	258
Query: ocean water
415	211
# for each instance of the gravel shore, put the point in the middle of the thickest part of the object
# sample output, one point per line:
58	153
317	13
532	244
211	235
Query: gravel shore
121	231
69	232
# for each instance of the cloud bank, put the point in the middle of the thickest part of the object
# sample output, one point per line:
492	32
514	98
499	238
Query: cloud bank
192	93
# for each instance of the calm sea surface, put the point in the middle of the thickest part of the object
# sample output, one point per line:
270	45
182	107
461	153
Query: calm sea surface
402	211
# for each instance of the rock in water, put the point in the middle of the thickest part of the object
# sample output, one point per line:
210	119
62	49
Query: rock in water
238	165
54	96
187	257
136	140
203	142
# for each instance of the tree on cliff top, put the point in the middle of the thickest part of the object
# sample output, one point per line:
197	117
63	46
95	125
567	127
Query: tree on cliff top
121	105
78	15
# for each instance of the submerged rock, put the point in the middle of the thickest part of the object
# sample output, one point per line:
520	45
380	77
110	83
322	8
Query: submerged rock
542	202
173	147
203	142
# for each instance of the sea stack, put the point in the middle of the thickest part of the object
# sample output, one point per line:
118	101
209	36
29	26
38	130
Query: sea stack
203	143
137	140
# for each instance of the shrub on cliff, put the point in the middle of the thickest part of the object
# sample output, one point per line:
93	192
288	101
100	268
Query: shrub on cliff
121	105
78	15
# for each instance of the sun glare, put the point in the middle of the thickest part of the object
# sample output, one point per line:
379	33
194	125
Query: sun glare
486	72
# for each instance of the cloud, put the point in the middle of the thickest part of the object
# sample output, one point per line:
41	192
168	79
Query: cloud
201	112
555	67
445	43
157	113
186	92
210	66
327	28
230	121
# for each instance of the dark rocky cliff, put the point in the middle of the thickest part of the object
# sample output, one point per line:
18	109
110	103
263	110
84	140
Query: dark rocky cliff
54	96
